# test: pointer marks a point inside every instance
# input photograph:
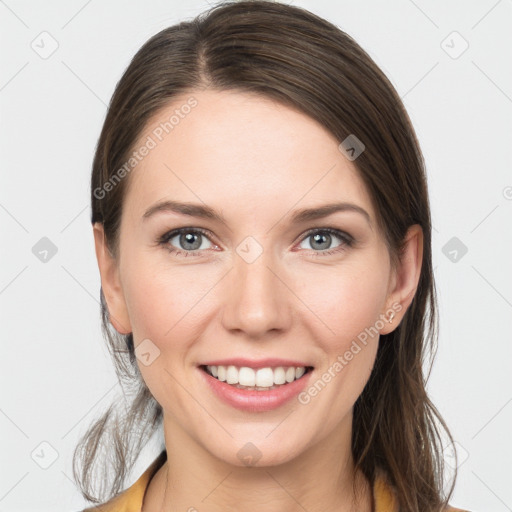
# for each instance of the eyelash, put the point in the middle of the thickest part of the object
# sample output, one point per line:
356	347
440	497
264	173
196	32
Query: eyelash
346	239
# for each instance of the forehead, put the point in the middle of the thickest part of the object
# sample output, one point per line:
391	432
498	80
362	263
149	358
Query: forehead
231	148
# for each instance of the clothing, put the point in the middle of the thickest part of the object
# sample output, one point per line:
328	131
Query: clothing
131	499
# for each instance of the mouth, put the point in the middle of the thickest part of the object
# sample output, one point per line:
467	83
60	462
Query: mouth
256	379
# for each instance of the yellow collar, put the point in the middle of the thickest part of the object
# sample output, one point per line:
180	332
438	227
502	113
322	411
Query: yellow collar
130	500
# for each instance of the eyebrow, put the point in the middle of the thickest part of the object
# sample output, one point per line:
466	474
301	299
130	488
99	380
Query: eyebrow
299	216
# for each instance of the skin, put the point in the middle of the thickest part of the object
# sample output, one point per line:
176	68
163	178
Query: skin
256	162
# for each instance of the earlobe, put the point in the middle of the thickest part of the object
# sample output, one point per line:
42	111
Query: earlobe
406	278
110	283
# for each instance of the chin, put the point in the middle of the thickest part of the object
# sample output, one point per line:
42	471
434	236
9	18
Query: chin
258	451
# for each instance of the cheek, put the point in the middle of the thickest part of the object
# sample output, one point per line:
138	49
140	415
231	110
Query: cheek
349	306
347	302
167	304
153	304
164	306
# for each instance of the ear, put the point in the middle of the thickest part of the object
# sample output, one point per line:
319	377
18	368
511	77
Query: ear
404	279
110	282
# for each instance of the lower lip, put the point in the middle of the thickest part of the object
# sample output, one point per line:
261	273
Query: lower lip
256	401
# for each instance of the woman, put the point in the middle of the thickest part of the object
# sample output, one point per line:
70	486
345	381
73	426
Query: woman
262	230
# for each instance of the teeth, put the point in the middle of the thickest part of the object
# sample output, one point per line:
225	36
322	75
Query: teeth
279	375
232	375
260	378
247	377
264	378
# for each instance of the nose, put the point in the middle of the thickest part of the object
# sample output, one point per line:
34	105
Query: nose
257	300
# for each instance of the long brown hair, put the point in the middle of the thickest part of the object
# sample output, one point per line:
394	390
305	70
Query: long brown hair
299	59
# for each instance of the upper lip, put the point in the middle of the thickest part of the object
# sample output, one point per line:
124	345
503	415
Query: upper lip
253	363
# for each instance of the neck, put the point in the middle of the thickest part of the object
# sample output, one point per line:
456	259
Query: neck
320	478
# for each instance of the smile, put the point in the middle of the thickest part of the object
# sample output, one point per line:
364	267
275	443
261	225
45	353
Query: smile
255	389
260	379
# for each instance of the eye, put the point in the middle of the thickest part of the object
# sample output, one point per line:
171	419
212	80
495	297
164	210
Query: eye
185	241
191	241
321	241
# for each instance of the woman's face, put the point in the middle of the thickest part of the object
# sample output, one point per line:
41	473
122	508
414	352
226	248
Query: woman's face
254	284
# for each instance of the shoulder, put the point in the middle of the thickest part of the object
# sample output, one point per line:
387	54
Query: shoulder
116	504
385	497
131	499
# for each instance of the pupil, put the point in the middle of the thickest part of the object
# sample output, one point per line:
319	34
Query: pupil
190	238
318	240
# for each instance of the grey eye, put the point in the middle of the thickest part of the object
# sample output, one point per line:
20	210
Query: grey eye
189	241
321	240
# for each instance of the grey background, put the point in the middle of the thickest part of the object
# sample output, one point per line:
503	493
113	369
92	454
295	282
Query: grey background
56	373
